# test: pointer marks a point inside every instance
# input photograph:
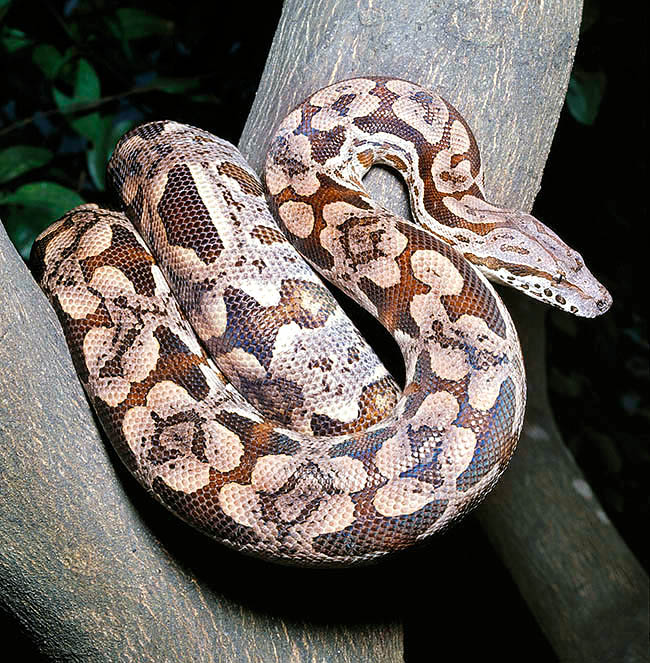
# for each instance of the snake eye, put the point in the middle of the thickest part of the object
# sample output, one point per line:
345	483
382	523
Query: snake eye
558	278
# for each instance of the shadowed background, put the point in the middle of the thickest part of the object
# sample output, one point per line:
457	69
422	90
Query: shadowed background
78	74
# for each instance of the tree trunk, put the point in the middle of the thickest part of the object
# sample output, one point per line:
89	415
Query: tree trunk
93	570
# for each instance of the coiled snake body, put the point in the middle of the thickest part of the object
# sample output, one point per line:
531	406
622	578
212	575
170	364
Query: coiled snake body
280	433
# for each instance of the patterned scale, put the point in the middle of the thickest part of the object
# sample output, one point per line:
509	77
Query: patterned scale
277	431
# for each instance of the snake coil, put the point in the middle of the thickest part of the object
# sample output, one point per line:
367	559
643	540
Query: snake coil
278	431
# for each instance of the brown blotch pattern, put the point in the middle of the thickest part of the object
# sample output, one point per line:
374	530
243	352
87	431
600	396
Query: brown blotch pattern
375	478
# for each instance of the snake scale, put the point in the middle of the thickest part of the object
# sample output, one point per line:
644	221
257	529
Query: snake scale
278	431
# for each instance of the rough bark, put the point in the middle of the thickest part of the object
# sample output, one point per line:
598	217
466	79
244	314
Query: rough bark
93	570
505	66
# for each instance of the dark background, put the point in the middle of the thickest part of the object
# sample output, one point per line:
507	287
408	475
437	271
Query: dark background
78	74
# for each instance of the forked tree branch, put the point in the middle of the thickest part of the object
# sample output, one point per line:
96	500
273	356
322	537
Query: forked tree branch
94	571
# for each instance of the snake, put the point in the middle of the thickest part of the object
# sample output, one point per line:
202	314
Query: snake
228	377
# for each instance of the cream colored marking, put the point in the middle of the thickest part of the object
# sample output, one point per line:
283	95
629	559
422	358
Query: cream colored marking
333	515
449	363
304	182
76	300
395	456
440	409
329	94
400	497
95	240
414	114
240	503
336	213
459	176
138	427
385	272
485	386
111	282
298	218
285	338
477	330
472	209
345	412
271	472
459	141
211	319
167	398
224	449
185	263
141	358
460	450
112	391
186	474
97	347
362	104
326	119
263	292
310	303
434	269
242	364
347	474
275	178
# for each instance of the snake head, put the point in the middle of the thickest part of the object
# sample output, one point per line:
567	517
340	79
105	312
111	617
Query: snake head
518	250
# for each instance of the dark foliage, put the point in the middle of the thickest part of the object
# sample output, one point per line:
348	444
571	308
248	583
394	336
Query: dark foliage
77	74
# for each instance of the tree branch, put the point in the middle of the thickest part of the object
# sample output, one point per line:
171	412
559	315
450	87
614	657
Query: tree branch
92	569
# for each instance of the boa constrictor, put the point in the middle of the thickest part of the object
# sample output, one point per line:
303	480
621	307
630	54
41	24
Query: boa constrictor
280	433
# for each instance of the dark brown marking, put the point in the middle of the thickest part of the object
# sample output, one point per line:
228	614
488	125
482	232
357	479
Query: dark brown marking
248	184
268	235
375	404
327	144
474	299
366	158
129	256
185	217
396	162
374	533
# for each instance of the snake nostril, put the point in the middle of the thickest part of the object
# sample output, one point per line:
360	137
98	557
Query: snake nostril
601	304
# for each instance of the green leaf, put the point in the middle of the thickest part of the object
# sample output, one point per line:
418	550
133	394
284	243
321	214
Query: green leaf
23	225
90	126
52	199
13	39
86	87
4	6
34	206
61	100
48	59
98	155
20	159
584	95
137	24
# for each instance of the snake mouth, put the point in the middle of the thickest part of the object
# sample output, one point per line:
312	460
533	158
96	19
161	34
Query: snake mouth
602	304
580	293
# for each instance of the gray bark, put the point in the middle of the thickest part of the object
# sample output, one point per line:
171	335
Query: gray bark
94	571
